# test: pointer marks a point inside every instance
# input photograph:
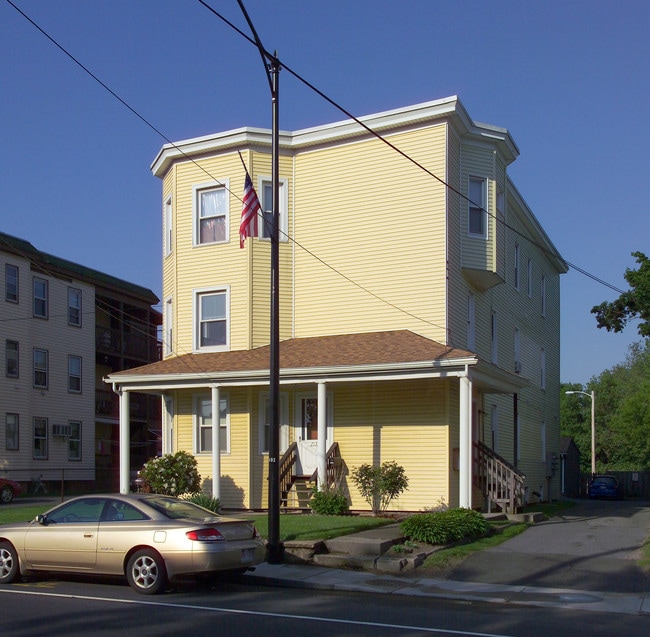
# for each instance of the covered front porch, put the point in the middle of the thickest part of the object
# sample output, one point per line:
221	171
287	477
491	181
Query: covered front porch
396	395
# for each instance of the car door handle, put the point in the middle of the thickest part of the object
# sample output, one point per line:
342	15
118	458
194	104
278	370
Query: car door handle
88	534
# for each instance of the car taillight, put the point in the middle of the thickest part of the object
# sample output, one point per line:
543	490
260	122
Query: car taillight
205	535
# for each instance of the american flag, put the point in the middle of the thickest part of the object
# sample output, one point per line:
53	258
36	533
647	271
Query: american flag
248	226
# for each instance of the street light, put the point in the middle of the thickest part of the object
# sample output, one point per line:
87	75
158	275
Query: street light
593	427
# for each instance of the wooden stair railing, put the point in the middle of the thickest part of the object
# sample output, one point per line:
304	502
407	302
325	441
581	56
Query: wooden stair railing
288	460
500	482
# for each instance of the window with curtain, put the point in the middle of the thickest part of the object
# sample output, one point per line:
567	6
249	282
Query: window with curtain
212	222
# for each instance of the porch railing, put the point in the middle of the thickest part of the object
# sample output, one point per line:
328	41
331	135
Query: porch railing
287	463
500	482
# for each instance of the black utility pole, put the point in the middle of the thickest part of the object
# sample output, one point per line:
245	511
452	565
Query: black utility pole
272	68
274	544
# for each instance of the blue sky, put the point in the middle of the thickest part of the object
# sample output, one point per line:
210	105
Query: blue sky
568	79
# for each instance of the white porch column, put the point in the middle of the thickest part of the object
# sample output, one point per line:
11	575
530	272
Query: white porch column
125	442
465	451
216	451
322	434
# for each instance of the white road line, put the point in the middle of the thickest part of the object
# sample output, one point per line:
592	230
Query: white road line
233	611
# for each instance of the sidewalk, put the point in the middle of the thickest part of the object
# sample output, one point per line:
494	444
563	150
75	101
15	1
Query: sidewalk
594	546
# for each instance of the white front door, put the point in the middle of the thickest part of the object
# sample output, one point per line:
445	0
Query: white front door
306	432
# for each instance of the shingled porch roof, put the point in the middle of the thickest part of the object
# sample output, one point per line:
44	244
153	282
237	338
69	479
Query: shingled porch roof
319	356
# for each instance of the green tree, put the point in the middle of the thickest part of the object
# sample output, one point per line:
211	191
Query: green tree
635	303
172	474
380	485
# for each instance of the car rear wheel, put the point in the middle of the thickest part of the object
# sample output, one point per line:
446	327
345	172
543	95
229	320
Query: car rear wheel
6	494
9	566
146	573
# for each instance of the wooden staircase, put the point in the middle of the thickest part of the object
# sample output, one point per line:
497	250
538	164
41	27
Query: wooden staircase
295	490
499	481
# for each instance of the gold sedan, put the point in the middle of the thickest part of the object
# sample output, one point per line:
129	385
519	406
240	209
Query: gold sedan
149	538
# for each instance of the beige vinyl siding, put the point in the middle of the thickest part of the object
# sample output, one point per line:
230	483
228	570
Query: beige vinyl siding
390	241
372	425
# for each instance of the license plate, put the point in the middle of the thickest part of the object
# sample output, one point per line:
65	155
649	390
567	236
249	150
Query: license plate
247	555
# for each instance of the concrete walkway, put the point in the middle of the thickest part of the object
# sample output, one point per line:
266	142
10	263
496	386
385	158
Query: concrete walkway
585	559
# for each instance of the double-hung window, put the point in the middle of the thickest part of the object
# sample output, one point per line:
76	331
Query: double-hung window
212	319
40	368
264	225
40	298
11	432
74	442
40	439
11	283
74	307
74	374
477	218
204	425
211	214
11	357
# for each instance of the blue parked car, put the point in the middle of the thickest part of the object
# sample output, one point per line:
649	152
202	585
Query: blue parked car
605	487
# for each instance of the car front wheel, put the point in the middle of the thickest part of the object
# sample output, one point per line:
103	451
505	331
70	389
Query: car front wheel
9	566
146	573
6	494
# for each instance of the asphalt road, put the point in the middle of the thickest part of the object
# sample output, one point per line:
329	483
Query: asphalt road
593	547
78	608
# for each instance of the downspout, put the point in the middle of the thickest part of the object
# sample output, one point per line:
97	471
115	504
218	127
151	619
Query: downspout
125	440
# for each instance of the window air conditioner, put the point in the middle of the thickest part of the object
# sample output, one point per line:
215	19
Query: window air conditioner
61	431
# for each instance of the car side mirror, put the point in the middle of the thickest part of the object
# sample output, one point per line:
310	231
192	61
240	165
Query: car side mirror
41	519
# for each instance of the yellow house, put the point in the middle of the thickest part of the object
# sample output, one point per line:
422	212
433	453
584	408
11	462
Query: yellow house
419	313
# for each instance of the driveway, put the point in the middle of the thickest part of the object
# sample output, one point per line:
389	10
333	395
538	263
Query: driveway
592	546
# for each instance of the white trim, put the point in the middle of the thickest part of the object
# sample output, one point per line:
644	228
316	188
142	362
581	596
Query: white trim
196	294
168	226
216	184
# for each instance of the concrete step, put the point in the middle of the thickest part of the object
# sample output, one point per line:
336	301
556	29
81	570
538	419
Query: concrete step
373	542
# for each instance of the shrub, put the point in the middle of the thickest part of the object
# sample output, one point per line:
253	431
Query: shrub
380	485
329	502
443	527
172	474
206	501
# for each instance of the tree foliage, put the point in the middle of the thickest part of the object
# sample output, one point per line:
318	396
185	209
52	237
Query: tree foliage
380	485
172	474
622	399
635	303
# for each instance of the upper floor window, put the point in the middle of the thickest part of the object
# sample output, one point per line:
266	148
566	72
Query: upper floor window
11	283
74	307
516	270
211	214
40	298
11	358
40	439
167	226
74	374
212	319
40	368
11	432
74	442
477	220
265	223
204	425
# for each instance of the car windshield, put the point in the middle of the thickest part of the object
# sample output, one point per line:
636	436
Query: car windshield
179	509
605	481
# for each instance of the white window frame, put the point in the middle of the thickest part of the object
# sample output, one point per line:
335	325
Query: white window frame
516	269
40	368
74	442
168	226
198	295
12	431
43	436
477	207
75	304
265	192
168	325
203	425
12	277
168	423
471	321
265	425
73	374
40	298
197	191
